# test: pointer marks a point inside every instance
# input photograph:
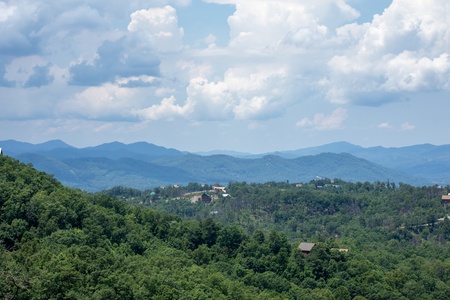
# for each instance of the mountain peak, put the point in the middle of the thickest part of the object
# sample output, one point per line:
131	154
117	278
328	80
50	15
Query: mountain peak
335	147
52	144
109	146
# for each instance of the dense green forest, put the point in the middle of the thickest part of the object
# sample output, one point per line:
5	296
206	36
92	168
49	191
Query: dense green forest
62	243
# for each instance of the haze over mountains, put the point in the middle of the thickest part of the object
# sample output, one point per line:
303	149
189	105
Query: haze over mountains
143	165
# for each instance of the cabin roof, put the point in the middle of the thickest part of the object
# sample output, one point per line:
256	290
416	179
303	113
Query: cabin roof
306	246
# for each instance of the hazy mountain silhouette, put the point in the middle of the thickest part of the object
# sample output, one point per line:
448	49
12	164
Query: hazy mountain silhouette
143	165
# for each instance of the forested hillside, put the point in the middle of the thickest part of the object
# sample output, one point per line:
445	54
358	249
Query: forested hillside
61	243
321	207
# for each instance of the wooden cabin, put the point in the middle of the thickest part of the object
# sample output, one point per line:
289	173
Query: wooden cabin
445	199
206	198
306	248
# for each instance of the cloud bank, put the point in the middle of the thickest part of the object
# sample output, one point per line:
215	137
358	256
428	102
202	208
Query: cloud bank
130	61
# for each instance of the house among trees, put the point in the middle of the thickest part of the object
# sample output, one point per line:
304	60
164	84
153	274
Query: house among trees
342	250
206	198
218	188
306	248
1	153
445	199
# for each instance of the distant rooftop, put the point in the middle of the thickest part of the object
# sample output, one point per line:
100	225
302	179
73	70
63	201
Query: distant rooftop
306	247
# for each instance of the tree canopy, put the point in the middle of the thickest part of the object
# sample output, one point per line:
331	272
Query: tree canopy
62	243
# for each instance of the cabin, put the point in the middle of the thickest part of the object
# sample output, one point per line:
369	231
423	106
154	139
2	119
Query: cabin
342	250
445	199
306	248
218	188
206	198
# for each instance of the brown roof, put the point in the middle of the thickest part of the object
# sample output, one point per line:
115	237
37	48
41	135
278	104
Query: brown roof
446	197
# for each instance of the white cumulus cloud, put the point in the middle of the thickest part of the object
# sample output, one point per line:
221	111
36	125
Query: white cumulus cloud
241	95
166	110
384	125
404	50
322	122
102	103
158	27
407	126
260	24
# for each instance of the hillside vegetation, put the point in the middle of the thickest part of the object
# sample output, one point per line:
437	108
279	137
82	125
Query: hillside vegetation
61	243
319	209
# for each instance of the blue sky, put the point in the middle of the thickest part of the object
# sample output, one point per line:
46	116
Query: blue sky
243	75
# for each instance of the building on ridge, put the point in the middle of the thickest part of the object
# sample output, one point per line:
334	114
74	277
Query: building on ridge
206	198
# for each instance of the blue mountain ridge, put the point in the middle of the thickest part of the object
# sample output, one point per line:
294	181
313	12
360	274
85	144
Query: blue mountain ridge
143	165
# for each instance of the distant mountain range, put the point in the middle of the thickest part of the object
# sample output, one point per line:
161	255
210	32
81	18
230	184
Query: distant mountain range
429	163
143	165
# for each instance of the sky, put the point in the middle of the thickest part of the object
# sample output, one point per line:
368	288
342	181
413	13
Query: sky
244	75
